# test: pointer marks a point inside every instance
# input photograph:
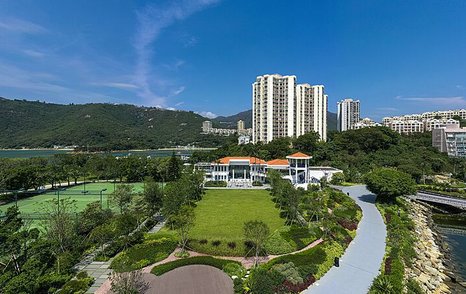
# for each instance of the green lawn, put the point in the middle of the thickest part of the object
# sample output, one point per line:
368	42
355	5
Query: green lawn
221	214
35	203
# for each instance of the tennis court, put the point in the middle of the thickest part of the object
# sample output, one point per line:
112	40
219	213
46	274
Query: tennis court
82	194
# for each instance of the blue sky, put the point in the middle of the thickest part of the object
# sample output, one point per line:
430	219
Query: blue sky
395	56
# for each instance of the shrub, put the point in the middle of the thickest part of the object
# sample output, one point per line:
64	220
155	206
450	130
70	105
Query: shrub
257	184
315	261
382	285
348	224
216	243
203	241
215	184
238	286
207	260
276	244
232	245
260	282
77	286
143	254
249	245
289	271
413	287
234	269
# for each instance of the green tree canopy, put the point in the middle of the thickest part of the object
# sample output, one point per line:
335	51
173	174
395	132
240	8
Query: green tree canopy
389	183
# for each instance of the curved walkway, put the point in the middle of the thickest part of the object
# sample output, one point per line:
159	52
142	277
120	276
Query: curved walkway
361	261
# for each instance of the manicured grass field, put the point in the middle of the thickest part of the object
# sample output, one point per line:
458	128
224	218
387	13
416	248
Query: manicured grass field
221	215
34	204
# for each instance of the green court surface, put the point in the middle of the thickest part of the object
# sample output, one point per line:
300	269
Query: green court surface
35	204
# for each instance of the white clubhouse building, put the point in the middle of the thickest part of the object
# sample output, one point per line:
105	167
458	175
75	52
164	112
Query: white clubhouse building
246	170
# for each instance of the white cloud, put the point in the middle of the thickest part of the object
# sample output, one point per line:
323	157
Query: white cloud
387	109
40	83
436	101
33	53
178	91
151	21
207	114
124	86
175	65
179	103
16	25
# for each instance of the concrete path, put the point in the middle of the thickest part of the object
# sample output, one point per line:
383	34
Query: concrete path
362	259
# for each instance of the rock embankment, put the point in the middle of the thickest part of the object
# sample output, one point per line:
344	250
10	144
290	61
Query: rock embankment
428	267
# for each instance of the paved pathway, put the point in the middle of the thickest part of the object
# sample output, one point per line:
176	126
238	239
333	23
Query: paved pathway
362	260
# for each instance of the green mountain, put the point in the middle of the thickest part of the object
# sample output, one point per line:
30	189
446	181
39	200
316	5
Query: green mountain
38	124
230	121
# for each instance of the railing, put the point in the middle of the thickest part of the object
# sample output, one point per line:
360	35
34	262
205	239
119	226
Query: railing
439	198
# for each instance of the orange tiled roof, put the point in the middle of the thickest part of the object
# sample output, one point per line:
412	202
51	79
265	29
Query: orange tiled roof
278	162
252	160
298	155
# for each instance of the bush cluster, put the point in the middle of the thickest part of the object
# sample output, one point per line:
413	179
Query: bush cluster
400	245
206	260
215	184
78	285
140	255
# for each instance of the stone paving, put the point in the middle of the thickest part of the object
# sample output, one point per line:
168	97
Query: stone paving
100	271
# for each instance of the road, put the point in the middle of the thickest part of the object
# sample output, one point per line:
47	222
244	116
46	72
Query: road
362	259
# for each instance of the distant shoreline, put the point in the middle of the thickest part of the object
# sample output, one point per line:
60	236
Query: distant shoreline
36	149
125	150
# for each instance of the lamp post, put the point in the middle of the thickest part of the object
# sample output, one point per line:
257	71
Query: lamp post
101	204
58	197
84	187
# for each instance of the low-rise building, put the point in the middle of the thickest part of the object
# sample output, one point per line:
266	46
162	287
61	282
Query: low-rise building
244	139
450	139
406	127
366	123
245	170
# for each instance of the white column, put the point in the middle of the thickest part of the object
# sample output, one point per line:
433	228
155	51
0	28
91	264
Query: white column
306	180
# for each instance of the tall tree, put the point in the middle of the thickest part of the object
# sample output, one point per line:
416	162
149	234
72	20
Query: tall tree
256	232
60	226
307	142
389	183
152	196
173	168
122	196
183	222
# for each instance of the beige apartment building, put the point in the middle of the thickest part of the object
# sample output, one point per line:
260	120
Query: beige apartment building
281	108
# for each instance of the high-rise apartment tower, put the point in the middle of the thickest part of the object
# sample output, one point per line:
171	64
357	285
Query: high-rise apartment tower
280	108
348	114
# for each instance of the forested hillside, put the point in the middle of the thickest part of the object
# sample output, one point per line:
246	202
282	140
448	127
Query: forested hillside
38	124
246	116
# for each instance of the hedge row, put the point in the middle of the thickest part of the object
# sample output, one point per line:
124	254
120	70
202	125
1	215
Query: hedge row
141	255
205	260
215	184
399	250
